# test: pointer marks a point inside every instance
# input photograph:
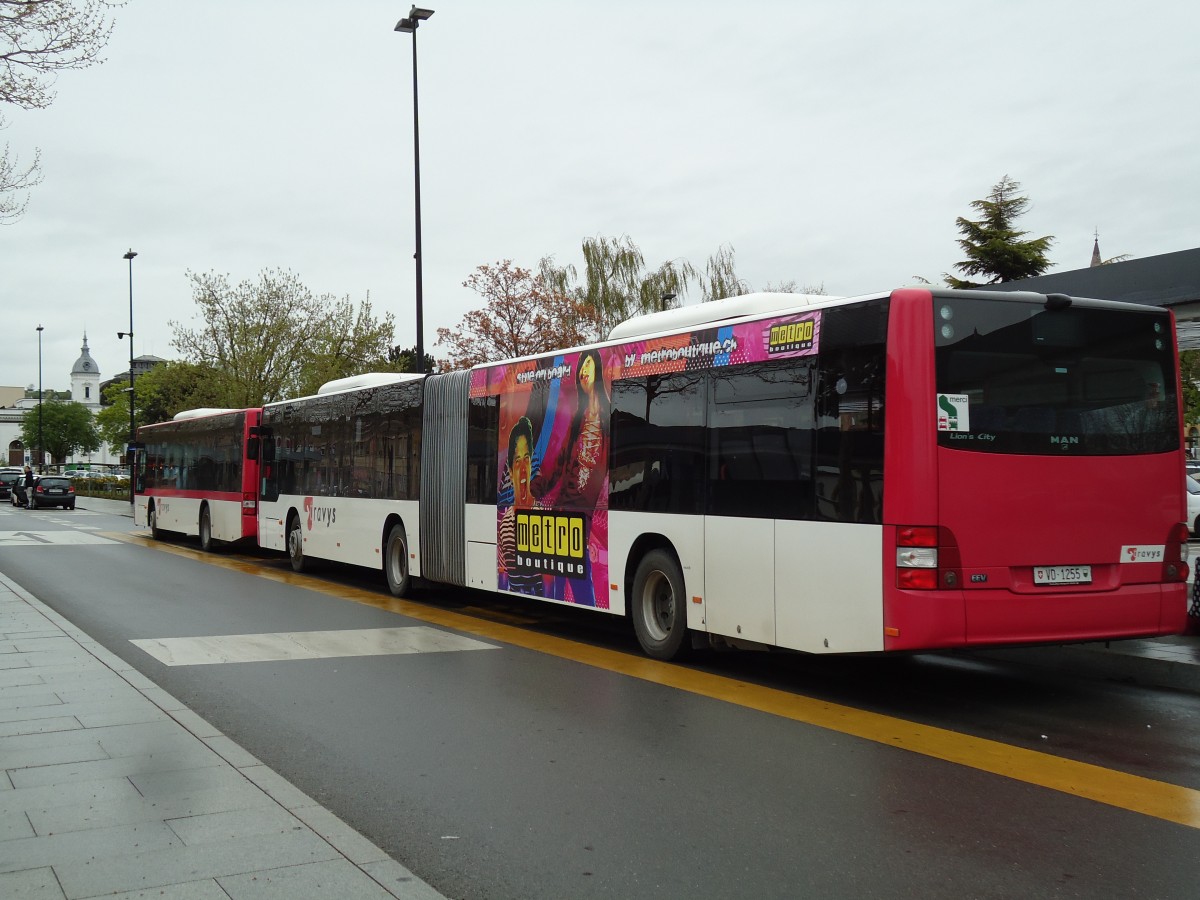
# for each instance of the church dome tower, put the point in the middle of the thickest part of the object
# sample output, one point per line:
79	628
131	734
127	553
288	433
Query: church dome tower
85	378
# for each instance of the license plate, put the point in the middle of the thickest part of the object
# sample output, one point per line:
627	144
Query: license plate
1062	574
57	491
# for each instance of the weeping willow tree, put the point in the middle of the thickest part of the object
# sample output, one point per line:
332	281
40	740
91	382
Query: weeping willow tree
617	284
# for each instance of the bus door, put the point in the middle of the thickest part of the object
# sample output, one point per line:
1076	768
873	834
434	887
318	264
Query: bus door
758	446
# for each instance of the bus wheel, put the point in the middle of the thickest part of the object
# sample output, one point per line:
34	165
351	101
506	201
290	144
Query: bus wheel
152	521
207	544
295	545
395	562
658	609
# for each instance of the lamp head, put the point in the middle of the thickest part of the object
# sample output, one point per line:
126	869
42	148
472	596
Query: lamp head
130	255
412	21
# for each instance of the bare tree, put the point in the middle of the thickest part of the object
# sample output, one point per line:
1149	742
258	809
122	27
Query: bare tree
39	39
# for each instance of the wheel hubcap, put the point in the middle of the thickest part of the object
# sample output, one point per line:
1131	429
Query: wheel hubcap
658	602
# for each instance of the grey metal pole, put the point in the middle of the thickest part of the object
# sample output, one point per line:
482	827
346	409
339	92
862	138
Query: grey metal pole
132	421
41	395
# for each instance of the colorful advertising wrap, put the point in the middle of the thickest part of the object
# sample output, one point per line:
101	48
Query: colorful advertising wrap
552	462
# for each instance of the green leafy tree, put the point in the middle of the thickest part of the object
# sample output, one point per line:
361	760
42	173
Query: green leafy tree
403	359
522	315
39	39
65	428
354	342
171	387
720	278
273	338
112	422
160	393
993	245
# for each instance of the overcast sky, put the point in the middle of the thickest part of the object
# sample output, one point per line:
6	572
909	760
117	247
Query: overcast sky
833	143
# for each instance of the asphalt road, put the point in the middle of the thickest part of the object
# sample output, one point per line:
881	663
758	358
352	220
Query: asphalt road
556	762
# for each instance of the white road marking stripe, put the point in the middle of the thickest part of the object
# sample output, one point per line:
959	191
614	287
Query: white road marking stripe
50	538
231	648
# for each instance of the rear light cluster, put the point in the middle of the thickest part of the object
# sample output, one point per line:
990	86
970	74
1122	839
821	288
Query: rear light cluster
1175	566
249	503
926	558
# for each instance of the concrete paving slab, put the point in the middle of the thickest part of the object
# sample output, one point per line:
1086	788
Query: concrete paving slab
140	871
278	788
31	757
14	825
345	839
108	767
336	878
82	846
208	889
215	828
49	796
101	815
31	884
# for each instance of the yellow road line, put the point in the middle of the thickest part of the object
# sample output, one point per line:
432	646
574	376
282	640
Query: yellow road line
1120	789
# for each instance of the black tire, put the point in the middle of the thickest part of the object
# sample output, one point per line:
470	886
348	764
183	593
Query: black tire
658	607
395	562
70	506
152	521
295	546
207	544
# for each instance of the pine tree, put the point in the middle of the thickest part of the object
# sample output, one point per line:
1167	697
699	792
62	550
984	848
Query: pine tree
993	245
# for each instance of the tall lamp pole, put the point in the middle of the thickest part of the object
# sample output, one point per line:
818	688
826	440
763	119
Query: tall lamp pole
41	451
120	335
409	25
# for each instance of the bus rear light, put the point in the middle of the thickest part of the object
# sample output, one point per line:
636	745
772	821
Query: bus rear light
917	579
1175	567
917	536
249	504
917	557
927	558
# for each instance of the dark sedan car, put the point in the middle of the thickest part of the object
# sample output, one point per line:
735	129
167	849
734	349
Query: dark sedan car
7	480
54	490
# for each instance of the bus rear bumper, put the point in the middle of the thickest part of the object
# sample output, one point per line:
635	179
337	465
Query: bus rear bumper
916	620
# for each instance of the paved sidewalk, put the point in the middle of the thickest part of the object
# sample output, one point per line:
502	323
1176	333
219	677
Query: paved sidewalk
109	786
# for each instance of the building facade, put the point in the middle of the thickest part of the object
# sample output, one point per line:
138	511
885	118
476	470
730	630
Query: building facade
19	402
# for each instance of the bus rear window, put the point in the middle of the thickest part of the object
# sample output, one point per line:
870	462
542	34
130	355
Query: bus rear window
1081	380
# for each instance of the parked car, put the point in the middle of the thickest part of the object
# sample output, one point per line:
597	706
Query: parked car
56	490
8	477
1193	504
1193	467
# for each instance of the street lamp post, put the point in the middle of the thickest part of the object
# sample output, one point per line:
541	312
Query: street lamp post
409	25
41	450
120	335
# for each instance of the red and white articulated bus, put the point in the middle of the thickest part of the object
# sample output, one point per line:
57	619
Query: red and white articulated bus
197	475
901	471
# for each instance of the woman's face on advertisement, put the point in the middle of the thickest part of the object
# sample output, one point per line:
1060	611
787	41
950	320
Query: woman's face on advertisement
522	466
587	373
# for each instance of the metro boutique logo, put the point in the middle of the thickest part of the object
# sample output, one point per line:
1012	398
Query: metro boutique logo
551	544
